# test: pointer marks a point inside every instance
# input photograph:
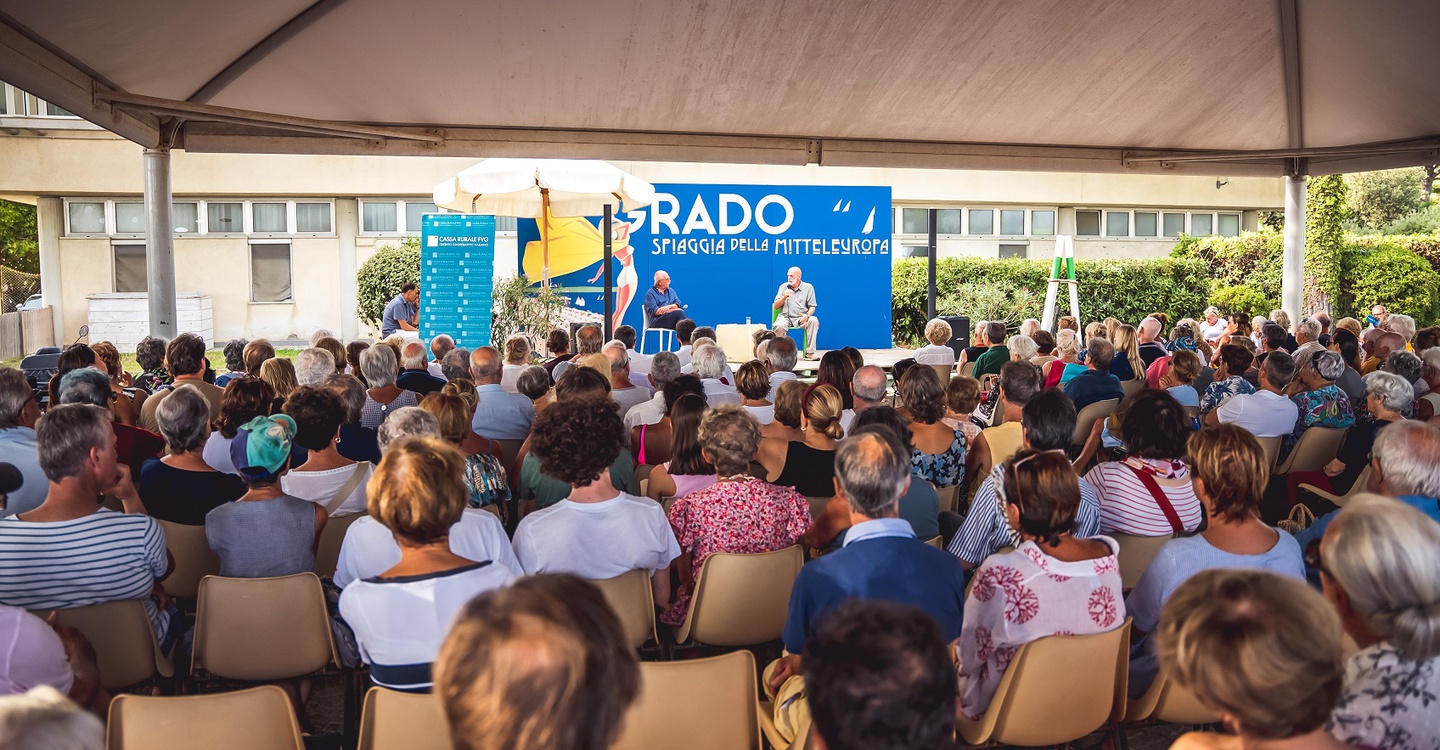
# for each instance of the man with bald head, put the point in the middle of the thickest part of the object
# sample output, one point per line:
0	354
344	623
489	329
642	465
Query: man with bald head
1150	347
414	372
795	303
499	415
868	389
439	347
1382	345
662	307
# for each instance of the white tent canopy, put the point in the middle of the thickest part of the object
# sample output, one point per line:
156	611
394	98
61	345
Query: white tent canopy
1074	85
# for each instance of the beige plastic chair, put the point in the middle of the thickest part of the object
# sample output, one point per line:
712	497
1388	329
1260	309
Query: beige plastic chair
944	371
805	740
936	542
1070	681
1168	702
1272	448
697	704
1362	483
642	473
259	629
510	448
193	558
1132	388
741	600
392	720
327	555
817	505
1136	554
125	647
949	497
1316	447
633	600
260	717
1086	419
968	370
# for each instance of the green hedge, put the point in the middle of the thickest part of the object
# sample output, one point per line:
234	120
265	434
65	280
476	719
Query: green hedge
1253	260
1393	276
381	276
1125	289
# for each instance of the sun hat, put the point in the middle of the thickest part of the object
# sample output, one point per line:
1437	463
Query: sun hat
261	446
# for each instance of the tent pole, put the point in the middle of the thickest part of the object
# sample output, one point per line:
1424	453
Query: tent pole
1292	288
544	238
930	270
159	243
609	275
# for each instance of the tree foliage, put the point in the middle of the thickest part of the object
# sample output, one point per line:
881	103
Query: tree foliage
381	276
19	237
519	307
1378	198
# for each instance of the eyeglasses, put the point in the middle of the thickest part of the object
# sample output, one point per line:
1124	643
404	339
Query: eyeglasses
1014	470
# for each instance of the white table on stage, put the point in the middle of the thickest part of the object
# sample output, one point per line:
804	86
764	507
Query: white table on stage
737	339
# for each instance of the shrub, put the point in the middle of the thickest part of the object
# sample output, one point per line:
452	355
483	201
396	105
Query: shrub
1392	276
1325	213
1424	221
1242	299
519	307
1253	259
1378	198
381	277
1426	246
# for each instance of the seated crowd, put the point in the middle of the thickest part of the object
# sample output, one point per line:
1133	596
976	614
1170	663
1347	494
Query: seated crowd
946	523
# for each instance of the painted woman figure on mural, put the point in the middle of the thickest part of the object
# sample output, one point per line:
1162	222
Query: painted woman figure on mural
626	282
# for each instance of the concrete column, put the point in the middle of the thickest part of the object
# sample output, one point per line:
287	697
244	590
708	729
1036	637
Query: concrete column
1292	288
347	226
159	244
50	218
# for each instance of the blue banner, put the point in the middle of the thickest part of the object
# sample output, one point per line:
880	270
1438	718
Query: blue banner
457	269
727	249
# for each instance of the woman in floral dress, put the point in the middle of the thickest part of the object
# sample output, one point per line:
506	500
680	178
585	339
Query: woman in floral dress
938	455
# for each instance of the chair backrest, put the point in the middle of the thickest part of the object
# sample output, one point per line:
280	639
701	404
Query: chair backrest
1316	447
1136	554
1362	484
817	505
392	720
642	472
968	369
1069	680
193	558
327	555
633	600
1085	420
262	628
742	600
949	497
1272	448
1132	389
125	647
237	720
510	448
936	542
697	704
1169	702
944	371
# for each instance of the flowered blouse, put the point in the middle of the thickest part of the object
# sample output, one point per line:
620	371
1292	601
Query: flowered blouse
945	469
745	516
485	479
1220	391
1322	407
1024	595
152	380
1388	701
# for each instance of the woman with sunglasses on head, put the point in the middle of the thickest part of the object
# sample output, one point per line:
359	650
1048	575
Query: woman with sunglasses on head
1228	470
1052	582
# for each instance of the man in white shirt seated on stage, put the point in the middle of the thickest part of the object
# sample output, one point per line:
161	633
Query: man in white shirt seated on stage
709	365
795	301
664	367
1267	412
783	355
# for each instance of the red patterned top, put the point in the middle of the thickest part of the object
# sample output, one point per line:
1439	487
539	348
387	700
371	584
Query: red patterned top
1022	596
746	516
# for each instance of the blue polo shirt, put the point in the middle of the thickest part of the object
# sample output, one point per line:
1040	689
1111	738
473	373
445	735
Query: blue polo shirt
881	560
395	311
1091	386
656	299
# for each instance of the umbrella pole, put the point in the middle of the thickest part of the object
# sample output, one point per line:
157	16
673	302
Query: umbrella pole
544	238
609	275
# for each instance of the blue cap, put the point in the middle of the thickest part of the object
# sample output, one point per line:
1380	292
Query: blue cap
262	446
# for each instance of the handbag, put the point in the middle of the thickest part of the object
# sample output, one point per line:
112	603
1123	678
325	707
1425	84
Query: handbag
1299	519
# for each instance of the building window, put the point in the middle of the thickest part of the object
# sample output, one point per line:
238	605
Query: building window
52	110
87	218
413	214
1174	225
1042	223
268	217
224	218
1229	225
1012	221
982	221
130	218
313	218
1202	225
130	274
270	272
507	224
378	217
914	221
185	217
1014	251
1145	223
4	98
1117	223
912	251
1087	223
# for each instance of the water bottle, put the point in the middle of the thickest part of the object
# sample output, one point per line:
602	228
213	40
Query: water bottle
747	320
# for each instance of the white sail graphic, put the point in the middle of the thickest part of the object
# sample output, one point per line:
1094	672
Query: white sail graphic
870	222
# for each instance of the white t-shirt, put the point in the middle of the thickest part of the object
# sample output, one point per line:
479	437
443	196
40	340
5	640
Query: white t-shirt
648	412
762	414
217	453
509	375
399	623
626	398
1262	413
931	354
1213	332
597	540
369	548
717	393
319	487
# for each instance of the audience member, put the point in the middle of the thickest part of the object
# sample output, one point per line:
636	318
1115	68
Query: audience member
327	478
1377	568
1150	492
1150	347
1428	405
312	366
937	351
734	513
234	353
1347	346
517	358
919	506
1096	383
664	368
543	664
185	361
499	415
540	489
783	355
133	445
1179	378
753	384
867	388
1307	339
877	675
128	398
687	469
401	616
150	356
1019	383
787	413
938	452
1318	400
356	442
597	532
415	375
1229	380
412	421
1387	396
38	653
962	395
1066	364
1045	348
996	354
808	465
486	482
1267	412
1383	344
977	345
1061	584
352	358
255	355
455	365
652	442
836	369
623	390
1261	650
18	414
588	340
382	396
43	719
1230	470
1126	364
182	487
558	344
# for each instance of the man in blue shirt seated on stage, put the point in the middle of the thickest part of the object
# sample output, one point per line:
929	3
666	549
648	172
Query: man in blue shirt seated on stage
402	314
881	558
662	307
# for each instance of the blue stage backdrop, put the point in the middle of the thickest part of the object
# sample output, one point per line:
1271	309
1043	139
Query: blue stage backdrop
457	269
727	248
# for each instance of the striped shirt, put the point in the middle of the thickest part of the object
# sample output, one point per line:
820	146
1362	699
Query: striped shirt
103	557
1128	507
986	531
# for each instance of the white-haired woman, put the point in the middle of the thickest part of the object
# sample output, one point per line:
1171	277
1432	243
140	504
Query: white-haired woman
1377	567
1386	396
1320	401
380	367
938	351
1428	407
1066	362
